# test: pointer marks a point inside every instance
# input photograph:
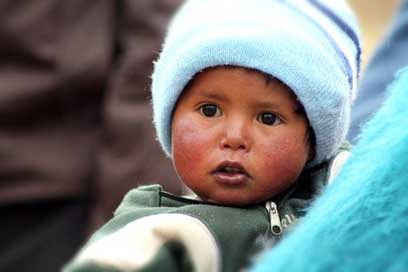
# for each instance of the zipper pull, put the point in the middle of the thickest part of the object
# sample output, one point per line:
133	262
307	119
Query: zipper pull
276	227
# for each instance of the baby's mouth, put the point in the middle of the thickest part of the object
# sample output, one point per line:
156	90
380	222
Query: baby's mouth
232	173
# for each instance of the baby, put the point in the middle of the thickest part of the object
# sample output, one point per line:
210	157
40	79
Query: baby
251	101
239	137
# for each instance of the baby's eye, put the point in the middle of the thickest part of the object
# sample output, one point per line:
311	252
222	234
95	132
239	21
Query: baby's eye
269	118
210	110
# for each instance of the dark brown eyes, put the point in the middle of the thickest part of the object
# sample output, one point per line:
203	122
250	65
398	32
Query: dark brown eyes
266	118
269	118
210	110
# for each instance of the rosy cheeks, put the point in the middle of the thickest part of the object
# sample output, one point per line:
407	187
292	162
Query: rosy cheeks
276	164
271	161
187	141
191	145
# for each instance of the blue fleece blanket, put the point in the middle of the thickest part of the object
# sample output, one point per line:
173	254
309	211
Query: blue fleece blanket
360	223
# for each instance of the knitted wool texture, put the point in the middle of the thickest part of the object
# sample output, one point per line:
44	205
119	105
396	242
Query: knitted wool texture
360	222
312	46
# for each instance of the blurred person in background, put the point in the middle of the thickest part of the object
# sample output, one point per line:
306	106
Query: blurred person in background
390	56
75	121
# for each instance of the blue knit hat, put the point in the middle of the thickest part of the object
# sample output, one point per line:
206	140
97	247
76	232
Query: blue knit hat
312	46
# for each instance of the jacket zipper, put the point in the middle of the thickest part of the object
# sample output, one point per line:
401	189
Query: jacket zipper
276	227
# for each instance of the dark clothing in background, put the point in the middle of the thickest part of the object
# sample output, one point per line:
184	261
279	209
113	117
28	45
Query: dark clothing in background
75	120
391	56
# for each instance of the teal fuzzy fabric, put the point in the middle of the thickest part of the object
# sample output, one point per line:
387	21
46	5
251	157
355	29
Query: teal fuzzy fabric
360	223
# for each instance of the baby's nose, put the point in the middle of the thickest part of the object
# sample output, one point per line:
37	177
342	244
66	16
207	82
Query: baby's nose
235	137
233	143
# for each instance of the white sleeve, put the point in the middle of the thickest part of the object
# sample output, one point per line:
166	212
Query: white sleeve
136	244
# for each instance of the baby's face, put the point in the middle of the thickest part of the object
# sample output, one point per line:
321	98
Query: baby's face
238	139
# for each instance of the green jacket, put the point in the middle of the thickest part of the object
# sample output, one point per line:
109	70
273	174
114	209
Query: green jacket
156	231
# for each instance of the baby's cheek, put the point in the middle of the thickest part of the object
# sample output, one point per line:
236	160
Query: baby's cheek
284	161
188	144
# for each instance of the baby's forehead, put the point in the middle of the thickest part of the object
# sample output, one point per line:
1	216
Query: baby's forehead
267	80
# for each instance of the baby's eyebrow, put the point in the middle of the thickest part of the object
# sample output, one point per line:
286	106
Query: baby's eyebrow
264	104
213	95
276	107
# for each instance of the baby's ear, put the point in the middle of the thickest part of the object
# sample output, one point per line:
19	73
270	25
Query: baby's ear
311	153
311	141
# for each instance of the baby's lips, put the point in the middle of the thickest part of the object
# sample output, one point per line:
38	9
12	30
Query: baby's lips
226	166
